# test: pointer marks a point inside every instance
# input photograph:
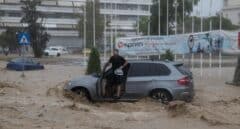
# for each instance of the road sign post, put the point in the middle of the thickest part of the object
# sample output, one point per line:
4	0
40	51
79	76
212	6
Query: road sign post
23	40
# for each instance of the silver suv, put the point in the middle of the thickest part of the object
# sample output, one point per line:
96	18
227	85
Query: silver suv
161	80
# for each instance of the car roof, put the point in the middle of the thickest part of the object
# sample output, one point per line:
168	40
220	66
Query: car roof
155	62
19	59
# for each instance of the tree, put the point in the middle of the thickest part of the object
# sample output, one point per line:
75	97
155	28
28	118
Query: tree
89	23
3	42
168	55
143	25
38	36
155	14
8	39
94	63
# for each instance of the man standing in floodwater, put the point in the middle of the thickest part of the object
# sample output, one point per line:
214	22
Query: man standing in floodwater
118	63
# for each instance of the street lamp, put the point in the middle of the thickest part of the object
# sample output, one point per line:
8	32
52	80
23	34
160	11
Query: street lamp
175	5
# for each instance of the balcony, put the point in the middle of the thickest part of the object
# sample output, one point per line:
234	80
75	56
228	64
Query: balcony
45	21
63	33
125	12
10	7
139	2
54	9
59	9
60	21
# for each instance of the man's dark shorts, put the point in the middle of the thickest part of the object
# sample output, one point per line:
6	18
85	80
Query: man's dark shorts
114	79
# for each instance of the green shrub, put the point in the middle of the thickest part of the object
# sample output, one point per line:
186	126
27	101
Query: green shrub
168	55
94	63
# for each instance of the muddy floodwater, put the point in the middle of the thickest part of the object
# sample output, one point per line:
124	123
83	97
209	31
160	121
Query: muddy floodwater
38	102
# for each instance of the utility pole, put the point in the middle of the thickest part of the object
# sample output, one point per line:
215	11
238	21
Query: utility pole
94	24
84	31
138	19
105	34
116	26
220	23
193	22
175	5
159	17
183	29
201	17
149	25
210	13
111	28
167	17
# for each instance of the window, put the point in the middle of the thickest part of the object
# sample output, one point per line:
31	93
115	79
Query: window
29	61
183	69
54	49
138	69
158	70
148	69
18	60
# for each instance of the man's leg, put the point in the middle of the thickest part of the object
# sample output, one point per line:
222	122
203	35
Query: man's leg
119	90
104	86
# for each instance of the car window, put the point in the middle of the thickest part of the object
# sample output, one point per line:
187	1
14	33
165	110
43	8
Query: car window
158	70
35	61
148	69
183	70
28	60
54	49
139	69
18	60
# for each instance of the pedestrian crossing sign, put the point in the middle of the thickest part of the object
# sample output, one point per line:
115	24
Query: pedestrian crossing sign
23	38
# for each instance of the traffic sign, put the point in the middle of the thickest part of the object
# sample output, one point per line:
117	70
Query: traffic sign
23	38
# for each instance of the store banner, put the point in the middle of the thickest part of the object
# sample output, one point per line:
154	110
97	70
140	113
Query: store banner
205	42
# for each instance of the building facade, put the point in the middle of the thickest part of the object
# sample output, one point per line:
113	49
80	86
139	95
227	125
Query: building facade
61	20
231	11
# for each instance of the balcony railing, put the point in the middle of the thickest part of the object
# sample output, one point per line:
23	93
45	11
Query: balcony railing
139	2
125	12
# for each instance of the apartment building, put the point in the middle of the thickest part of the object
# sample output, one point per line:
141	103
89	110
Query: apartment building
60	17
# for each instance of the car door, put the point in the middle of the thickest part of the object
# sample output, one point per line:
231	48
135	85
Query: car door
34	64
139	79
160	76
28	65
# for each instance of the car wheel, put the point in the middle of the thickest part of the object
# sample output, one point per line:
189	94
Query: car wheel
82	94
161	95
58	54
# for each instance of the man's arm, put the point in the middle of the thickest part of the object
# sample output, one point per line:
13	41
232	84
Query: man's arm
125	64
107	64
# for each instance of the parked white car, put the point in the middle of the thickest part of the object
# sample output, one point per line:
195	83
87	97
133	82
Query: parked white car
55	51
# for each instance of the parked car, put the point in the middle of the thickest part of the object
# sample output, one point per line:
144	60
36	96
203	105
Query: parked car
163	81
27	63
55	51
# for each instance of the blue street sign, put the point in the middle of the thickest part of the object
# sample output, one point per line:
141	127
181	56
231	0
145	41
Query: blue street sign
23	38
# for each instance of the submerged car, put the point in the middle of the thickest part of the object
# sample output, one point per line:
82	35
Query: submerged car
20	64
163	81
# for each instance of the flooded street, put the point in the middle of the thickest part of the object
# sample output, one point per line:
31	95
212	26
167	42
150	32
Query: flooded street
38	102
